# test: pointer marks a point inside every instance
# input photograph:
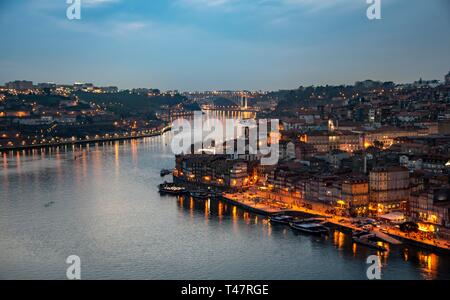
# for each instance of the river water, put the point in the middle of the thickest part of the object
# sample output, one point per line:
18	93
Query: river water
104	207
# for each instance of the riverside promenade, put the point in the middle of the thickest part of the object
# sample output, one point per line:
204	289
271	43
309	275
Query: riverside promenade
111	138
267	205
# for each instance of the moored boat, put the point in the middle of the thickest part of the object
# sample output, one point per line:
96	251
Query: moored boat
164	172
215	194
366	238
281	219
168	188
312	227
200	194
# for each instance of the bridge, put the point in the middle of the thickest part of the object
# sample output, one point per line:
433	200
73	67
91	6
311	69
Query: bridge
233	108
238	102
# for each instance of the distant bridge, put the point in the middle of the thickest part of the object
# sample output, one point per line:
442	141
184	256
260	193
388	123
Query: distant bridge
234	108
238	102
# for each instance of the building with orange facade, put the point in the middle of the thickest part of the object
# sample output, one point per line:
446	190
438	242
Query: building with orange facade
355	195
388	189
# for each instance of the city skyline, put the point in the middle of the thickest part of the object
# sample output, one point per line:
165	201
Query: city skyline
226	44
34	84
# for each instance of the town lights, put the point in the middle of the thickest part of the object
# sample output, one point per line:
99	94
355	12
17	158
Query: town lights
426	227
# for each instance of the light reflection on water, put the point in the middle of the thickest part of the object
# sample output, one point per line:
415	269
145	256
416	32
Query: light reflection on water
101	203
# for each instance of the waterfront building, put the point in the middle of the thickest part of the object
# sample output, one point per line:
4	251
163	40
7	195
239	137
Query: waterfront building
212	170
238	174
355	194
431	209
321	188
283	177
389	189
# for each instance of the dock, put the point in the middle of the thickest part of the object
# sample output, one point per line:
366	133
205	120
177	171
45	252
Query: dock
393	237
252	207
386	238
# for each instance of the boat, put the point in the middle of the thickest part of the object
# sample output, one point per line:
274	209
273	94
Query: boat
170	188
281	219
165	172
368	243
361	233
366	238
215	194
200	194
311	220
49	204
310	226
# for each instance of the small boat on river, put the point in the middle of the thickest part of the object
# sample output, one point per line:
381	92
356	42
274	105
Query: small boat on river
281	219
170	188
165	172
311	225
200	194
367	239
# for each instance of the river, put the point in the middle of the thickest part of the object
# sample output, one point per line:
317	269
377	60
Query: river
101	203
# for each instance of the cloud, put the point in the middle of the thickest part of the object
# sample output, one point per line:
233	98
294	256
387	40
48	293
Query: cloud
106	29
98	2
255	4
205	3
128	27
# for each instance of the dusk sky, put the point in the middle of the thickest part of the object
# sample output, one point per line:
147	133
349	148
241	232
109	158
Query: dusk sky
223	44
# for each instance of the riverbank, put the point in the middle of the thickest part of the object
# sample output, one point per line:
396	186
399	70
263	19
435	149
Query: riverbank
266	209
249	206
109	206
86	142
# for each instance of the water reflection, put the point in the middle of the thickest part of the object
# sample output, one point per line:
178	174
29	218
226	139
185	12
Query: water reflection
217	210
342	241
106	201
339	239
429	262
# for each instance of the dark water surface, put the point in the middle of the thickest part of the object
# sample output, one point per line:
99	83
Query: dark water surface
104	207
